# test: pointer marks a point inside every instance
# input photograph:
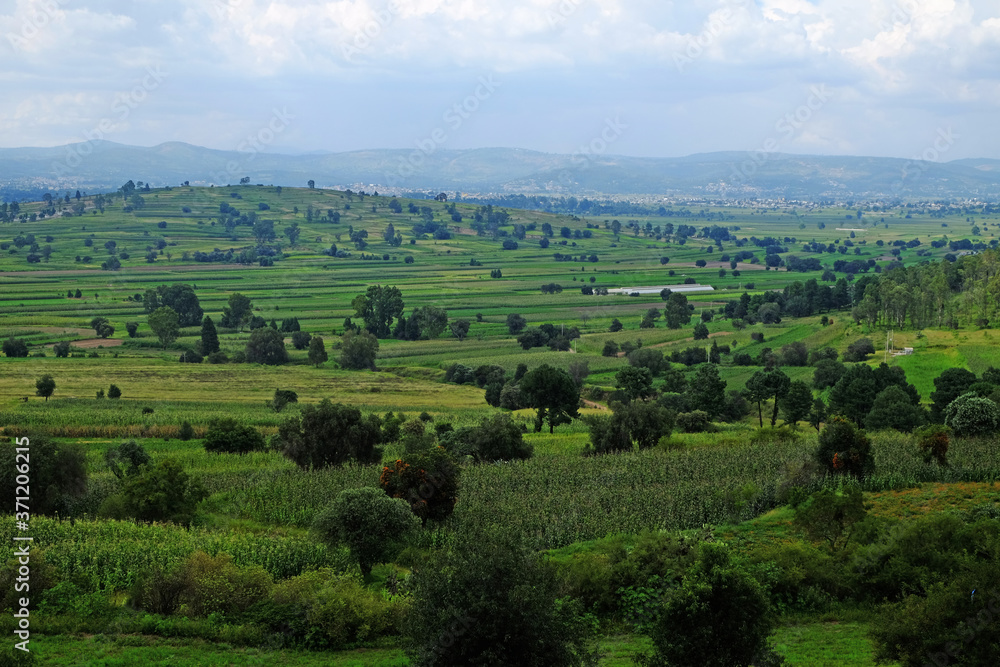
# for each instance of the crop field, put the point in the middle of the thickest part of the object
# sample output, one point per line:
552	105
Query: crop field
260	506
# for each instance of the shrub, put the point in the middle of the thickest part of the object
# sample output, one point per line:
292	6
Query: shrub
426	480
300	340
369	523
126	459
218	357
61	349
58	474
15	347
933	441
844	448
186	431
214	584
226	435
696	421
281	398
859	350
164	492
330	434
114	391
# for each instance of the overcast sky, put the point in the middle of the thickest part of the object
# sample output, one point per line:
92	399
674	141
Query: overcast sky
897	78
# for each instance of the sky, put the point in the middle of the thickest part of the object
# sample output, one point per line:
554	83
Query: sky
893	78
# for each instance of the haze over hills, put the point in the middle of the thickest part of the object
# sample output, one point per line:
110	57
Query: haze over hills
101	166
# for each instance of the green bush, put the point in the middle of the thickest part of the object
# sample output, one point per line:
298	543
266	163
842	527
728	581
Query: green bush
696	421
226	435
214	584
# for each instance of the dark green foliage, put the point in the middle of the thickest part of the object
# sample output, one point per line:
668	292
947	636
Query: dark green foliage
844	448
970	415
162	492
330	435
610	349
61	349
552	393
58	474
358	350
45	386
126	459
165	323
648	358
859	350
237	313
797	403
496	438
317	351
180	298
933	441
369	523
696	421
515	324
427	479
15	347
854	393
300	340
952	383
114	392
378	307
719	617
827	373
830	516
794	354
131	328
767	385
209	337
700	331
616	325
266	346
226	435
707	391
489	600
635	383
676	313
893	409
632	424
186	431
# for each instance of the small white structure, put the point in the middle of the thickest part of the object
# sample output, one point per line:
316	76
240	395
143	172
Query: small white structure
907	351
656	290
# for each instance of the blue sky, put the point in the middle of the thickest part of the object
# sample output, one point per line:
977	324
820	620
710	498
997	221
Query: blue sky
858	77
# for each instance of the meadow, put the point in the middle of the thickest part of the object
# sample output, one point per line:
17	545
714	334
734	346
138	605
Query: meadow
261	506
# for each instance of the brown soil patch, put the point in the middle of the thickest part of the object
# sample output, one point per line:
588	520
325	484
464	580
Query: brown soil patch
96	342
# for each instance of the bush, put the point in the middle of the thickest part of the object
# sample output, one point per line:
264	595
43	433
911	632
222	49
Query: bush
61	349
15	347
697	421
114	391
266	346
300	340
844	448
330	434
369	523
126	459
186	431
214	584
281	398
226	435
218	357
58	474
164	492
933	441
427	480
859	350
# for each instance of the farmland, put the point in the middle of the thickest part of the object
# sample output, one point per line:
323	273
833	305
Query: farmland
260	506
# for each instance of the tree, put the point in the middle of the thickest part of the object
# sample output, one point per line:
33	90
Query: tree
893	409
369	523
165	324
126	459
844	448
431	321
263	231
649	358
724	612
830	516
58	474
552	393
378	307
114	391
266	346
610	349
638	423
209	337
61	349
676	314
163	492
765	385
131	328
859	350
616	325
45	386
971	415
226	435
827	373
330	434
301	340
488	599
292	231
237	313
498	438
425	477
15	347
817	414
635	383
311	183
794	354
358	350
797	403
460	328
952	383
700	331
515	324
708	391
102	327
317	351
178	296
281	398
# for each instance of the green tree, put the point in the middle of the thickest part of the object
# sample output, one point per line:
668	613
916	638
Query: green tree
266	346
317	351
126	459
58	474
552	393
616	325
425	477
499	438
768	385
301	340
131	328
163	492
165	324
676	313
971	415
859	350
114	391
369	523
15	347
827	372
209	337
952	383
700	331
102	327
708	391
844	448
180	297
718	617
633	424
330	434
237	312
263	231
817	414
635	382
515	324
797	403
292	232
226	435
378	307
460	328
893	409
830	516
488	599
45	386
358	350
431	321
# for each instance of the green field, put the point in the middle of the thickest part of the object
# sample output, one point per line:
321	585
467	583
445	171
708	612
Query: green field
260	506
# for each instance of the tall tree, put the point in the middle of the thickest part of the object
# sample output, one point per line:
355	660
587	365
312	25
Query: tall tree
317	351
708	391
766	385
238	311
553	394
180	297
165	324
209	336
676	313
798	403
378	307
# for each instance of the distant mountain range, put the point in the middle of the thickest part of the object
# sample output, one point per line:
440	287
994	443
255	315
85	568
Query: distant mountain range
102	165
